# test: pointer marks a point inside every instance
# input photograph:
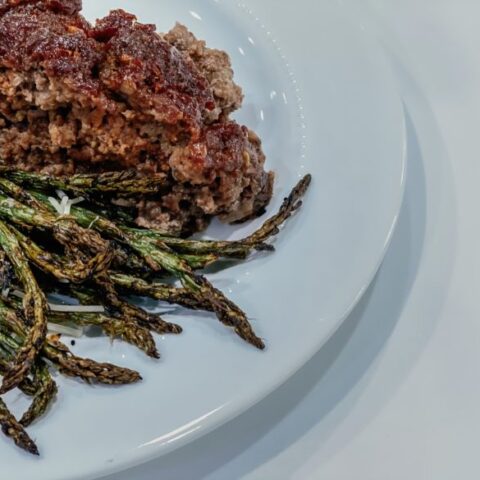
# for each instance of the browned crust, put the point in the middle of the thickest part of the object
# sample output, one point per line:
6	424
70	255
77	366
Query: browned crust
76	97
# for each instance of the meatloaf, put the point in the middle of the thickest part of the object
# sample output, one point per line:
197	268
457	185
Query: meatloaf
81	97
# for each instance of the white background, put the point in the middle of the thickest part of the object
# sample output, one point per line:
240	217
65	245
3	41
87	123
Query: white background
396	393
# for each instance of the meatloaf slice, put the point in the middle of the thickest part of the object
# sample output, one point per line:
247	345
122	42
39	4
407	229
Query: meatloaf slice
76	97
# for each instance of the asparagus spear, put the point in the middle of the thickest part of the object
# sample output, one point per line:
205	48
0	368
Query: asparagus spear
129	261
123	318
86	369
199	261
167	293
126	182
123	328
290	204
65	270
36	213
34	305
28	387
133	263
43	389
45	394
12	334
11	189
160	291
127	330
13	429
89	256
226	249
226	311
241	248
158	256
213	302
152	321
75	239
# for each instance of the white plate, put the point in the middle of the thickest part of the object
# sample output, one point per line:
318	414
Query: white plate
334	112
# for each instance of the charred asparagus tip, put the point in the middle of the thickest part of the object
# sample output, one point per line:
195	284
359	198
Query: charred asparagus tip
13	429
174	328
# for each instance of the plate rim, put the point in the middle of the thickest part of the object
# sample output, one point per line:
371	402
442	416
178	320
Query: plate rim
232	410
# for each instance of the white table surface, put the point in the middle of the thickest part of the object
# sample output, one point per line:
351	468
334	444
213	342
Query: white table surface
395	394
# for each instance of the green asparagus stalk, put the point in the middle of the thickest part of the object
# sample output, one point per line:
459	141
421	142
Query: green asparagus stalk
124	183
158	256
63	269
133	263
12	335
43	389
213	302
123	328
221	249
95	247
11	189
242	248
129	311
160	291
126	330
199	261
34	305
226	311
151	249
76	240
129	261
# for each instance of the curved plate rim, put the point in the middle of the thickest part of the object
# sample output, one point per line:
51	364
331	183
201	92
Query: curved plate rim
242	404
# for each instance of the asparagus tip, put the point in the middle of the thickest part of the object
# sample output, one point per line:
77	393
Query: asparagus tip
32	448
258	343
264	247
11	428
174	328
10	381
307	180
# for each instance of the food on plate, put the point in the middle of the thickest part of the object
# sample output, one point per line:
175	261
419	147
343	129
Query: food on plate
115	143
115	95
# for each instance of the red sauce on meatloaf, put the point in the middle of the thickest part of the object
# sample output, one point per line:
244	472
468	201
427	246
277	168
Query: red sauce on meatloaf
77	97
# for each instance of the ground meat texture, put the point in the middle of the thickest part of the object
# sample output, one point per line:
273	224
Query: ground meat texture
76	97
68	7
152	76
215	66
